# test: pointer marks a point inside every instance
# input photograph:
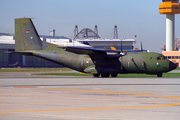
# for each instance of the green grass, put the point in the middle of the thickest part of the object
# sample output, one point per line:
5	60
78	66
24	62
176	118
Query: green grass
78	74
65	74
119	75
33	69
178	68
39	69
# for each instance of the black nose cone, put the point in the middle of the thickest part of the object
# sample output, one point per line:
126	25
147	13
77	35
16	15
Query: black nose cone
172	66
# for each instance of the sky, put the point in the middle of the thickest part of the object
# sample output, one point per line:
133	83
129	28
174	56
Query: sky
132	17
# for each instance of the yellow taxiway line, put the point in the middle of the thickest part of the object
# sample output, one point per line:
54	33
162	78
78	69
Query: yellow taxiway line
107	92
105	108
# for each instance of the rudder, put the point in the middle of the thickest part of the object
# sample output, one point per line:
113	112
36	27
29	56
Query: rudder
26	36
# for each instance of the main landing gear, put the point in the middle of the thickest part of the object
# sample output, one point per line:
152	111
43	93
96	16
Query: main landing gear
159	74
96	75
115	75
105	75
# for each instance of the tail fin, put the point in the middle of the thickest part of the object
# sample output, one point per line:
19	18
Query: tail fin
26	36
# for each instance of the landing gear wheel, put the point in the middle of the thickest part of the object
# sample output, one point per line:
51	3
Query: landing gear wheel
159	74
96	75
114	74
105	75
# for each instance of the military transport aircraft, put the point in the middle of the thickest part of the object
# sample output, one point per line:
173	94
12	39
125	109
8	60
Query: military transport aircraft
88	60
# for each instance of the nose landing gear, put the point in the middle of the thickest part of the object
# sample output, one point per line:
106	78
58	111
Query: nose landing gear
159	74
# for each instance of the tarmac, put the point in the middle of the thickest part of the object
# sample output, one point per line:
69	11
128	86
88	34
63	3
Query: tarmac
36	97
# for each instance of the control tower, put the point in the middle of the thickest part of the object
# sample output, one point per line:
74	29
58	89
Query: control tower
170	8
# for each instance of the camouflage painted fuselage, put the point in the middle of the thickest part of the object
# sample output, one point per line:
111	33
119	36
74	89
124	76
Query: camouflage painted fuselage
150	63
88	60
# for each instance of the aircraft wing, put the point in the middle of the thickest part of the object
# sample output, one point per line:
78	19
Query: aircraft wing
98	53
82	50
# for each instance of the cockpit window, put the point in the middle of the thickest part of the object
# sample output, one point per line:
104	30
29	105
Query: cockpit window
158	58
161	58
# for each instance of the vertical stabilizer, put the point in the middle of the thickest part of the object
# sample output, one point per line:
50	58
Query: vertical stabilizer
26	36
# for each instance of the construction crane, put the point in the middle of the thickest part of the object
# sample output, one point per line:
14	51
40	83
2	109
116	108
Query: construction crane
177	44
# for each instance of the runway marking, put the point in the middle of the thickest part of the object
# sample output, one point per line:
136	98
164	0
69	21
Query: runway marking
105	108
93	85
97	91
107	92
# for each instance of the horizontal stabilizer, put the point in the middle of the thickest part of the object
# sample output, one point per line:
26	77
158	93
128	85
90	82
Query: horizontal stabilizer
23	53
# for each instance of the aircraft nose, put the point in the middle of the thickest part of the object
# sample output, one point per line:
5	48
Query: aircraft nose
172	66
